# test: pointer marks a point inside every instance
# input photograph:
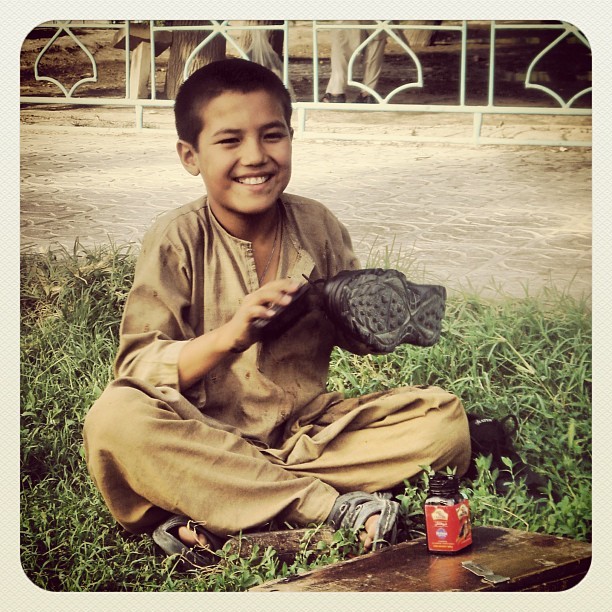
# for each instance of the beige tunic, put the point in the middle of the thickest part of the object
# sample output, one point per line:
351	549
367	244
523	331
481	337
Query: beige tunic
190	279
259	438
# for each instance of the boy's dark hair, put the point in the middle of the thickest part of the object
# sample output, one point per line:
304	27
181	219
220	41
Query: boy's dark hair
219	77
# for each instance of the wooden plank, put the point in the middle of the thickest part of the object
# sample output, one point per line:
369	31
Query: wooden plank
531	561
286	543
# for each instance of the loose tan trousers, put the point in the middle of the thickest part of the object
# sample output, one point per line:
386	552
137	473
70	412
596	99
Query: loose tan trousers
151	452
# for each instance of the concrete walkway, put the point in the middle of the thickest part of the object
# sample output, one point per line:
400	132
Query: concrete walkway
490	219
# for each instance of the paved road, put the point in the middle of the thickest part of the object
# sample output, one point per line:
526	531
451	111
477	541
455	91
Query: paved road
491	218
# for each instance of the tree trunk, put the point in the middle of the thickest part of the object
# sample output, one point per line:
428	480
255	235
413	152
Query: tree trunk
183	43
422	38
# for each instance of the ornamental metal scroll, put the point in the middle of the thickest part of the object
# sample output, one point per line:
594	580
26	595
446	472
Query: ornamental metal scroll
224	28
217	28
61	28
394	30
568	30
383	26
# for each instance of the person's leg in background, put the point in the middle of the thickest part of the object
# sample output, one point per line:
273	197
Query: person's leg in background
343	43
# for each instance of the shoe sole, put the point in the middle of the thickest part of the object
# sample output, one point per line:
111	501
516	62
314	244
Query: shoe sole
384	309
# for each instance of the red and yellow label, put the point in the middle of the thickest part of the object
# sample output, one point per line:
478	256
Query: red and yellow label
448	527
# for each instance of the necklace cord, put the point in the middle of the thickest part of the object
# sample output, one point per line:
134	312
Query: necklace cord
265	270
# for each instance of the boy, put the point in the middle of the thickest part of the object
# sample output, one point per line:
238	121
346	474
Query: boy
207	430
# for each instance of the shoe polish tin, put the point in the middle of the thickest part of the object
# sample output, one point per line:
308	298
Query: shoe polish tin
447	516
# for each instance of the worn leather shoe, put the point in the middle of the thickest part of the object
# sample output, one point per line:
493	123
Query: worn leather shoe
382	309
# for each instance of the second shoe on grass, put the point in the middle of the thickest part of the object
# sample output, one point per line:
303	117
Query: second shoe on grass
492	437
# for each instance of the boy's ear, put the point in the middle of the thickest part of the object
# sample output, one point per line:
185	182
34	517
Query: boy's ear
188	156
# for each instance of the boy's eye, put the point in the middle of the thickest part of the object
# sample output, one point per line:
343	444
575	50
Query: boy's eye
275	135
228	141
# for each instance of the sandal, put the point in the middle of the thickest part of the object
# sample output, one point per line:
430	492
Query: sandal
194	557
352	510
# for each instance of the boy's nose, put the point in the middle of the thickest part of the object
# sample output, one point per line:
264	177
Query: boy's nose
253	152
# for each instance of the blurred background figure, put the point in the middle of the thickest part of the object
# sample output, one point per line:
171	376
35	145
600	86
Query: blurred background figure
266	48
343	44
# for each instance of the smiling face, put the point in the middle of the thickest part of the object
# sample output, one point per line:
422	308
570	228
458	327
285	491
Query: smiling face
243	154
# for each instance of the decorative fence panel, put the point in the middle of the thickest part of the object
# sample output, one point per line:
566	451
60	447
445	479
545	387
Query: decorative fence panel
466	68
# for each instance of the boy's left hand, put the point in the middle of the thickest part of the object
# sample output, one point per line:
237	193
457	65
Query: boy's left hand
239	331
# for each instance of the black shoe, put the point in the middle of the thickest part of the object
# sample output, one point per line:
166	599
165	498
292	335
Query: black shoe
491	437
377	308
365	99
328	97
382	309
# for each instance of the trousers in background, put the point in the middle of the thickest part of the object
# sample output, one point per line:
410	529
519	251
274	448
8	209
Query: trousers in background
344	42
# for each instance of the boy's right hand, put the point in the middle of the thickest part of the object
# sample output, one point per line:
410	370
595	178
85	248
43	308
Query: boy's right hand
238	332
202	354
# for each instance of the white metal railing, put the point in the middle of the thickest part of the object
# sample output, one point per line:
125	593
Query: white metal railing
395	31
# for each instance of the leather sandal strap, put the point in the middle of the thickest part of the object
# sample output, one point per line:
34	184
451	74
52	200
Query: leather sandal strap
172	545
352	510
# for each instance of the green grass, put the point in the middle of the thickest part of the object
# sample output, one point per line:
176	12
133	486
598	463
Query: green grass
529	357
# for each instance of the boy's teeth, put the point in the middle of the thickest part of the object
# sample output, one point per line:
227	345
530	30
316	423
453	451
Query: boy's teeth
253	180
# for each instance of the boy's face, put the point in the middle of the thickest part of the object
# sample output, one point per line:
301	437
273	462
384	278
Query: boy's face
244	154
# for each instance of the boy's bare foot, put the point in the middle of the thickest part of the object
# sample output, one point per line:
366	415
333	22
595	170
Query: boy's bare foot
191	538
367	537
373	514
179	535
